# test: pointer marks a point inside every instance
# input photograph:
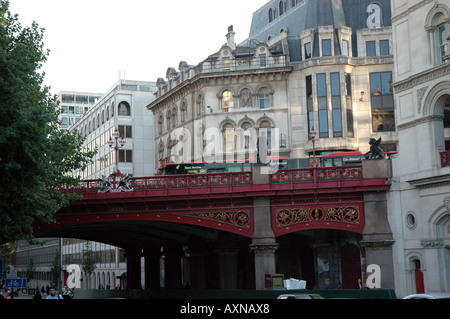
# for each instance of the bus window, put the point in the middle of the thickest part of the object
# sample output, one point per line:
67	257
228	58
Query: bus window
338	161
327	162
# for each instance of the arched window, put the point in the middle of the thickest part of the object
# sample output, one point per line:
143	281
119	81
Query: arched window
228	138
441	32
437	24
160	124
227	101
200	106
270	15
169	122
281	7
265	129
124	109
174	118
183	112
264	98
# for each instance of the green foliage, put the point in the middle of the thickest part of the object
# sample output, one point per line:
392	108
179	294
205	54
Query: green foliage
88	262
36	157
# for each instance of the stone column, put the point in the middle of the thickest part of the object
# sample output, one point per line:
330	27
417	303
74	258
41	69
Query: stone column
377	237
228	271
263	244
133	257
151	262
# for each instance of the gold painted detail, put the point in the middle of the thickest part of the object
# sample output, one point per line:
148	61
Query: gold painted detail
346	214
238	219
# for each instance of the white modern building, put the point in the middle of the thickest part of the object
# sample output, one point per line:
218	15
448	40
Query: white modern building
419	210
122	108
74	105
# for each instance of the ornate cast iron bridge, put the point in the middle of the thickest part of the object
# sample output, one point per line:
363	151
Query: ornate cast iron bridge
300	199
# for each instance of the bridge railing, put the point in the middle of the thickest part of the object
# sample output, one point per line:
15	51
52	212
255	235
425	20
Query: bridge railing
317	175
168	182
206	182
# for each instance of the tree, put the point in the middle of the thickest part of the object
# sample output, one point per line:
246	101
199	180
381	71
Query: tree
36	157
55	267
88	262
31	269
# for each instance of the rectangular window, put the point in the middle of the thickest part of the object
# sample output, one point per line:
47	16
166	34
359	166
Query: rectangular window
226	64
307	50
345	48
348	105
326	47
370	48
125	156
262	61
309	103
336	104
126	131
384	47
322	101
382	102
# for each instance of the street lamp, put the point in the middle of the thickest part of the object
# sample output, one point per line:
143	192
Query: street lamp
116	144
313	134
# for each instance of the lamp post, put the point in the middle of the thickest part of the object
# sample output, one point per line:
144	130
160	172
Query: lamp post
313	134
116	144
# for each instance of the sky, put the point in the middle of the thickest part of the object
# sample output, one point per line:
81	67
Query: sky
93	43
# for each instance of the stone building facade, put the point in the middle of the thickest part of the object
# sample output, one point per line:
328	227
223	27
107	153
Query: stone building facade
419	210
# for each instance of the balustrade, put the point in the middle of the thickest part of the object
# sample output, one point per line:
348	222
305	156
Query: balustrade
212	181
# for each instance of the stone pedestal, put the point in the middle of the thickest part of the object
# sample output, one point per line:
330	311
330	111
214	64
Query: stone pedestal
133	257
263	244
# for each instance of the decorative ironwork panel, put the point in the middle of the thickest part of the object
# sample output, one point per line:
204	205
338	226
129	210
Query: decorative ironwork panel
198	181
280	177
303	176
351	173
156	183
327	175
220	180
239	219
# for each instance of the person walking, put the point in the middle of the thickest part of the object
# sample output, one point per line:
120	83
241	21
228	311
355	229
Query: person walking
54	294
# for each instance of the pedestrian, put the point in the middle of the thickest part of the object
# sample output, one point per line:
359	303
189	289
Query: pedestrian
330	285
54	294
359	284
37	295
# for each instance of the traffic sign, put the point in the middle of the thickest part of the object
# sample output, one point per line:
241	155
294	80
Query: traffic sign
17	283
11	274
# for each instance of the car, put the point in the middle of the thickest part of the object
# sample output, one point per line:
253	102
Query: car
428	296
300	296
2	296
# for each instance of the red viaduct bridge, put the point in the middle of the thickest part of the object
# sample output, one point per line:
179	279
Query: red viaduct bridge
239	226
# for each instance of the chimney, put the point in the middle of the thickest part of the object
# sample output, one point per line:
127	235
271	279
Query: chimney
230	38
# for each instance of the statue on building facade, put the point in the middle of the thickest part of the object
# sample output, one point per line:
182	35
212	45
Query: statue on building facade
375	150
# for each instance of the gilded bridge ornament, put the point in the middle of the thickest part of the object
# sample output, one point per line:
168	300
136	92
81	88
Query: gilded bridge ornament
239	219
347	214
